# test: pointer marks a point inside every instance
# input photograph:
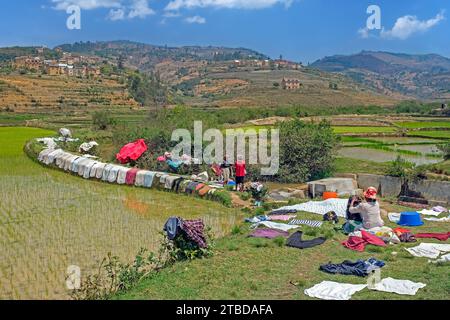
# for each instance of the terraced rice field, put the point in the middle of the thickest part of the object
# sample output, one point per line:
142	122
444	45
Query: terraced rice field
444	134
383	156
357	129
50	220
424	124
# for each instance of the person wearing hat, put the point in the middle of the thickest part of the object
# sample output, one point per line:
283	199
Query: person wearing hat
369	210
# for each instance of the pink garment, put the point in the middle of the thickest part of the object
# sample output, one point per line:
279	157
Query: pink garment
359	244
131	176
132	151
437	236
281	217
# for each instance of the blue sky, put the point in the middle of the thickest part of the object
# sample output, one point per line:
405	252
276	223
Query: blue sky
300	30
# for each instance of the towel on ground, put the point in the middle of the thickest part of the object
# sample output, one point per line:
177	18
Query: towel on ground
309	223
330	290
268	233
429	250
405	287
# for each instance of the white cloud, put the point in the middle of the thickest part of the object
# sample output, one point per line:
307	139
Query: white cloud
408	25
195	19
140	8
120	9
87	4
175	5
363	33
115	15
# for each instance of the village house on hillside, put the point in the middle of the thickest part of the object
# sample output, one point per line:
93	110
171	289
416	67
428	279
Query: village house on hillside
290	84
69	65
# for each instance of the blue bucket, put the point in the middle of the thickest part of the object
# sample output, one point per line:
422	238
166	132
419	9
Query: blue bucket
410	219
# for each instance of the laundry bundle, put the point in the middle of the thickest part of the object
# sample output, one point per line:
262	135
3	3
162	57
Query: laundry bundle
359	243
360	268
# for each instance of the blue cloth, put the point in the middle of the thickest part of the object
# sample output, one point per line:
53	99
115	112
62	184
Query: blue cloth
174	165
106	172
148	179
172	227
74	166
359	268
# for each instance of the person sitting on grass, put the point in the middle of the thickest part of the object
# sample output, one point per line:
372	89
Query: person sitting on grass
368	210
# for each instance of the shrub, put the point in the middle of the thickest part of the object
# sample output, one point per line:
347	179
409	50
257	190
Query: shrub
102	120
307	151
445	149
400	168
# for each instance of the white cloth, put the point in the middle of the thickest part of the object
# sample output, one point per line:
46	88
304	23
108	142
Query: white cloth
321	207
43	154
97	168
429	250
140	178
429	212
66	133
276	225
394	217
398	286
446	219
49	143
444	258
87	146
122	175
50	158
87	171
330	290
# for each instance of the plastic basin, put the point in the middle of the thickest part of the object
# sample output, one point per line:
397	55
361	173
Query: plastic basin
411	219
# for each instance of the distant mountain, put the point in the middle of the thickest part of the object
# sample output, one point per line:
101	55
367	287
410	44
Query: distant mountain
146	56
419	76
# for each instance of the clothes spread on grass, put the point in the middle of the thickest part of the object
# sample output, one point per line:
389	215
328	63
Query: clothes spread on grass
275	225
445	219
339	206
281	217
295	241
360	268
268	233
283	211
404	287
394	217
427	212
330	290
437	236
359	243
132	151
309	223
257	219
351	226
429	250
443	259
193	230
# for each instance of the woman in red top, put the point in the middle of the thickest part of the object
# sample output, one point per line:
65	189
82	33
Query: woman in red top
240	173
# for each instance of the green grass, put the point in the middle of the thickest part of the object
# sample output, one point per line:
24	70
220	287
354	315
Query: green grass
356	129
349	165
423	124
245	268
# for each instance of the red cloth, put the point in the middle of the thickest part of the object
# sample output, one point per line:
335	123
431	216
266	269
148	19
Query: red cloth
359	244
399	231
438	236
240	168
132	151
131	176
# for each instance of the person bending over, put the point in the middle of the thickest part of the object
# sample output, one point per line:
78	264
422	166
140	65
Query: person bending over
368	210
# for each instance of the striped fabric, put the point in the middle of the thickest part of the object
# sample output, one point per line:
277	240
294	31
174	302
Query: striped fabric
310	223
